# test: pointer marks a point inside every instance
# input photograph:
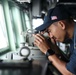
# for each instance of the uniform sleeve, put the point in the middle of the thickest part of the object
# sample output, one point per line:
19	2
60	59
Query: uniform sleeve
71	65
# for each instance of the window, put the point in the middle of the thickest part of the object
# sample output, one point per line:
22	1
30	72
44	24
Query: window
28	26
16	24
37	22
3	32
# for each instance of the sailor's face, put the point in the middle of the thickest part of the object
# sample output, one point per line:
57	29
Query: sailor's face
57	32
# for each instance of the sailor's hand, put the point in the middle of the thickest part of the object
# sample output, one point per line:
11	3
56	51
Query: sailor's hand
41	43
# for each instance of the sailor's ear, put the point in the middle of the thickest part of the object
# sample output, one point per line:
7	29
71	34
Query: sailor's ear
61	24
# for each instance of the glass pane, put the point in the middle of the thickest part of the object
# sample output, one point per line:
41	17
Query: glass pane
11	15
27	21
3	32
37	22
